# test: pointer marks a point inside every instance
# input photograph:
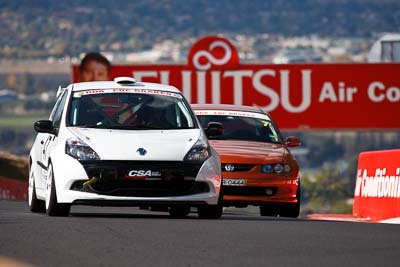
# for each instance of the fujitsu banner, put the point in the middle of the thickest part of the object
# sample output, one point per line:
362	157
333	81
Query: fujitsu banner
298	96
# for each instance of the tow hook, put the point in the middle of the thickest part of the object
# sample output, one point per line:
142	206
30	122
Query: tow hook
91	181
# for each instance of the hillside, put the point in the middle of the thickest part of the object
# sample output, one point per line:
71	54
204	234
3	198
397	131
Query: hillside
14	167
37	29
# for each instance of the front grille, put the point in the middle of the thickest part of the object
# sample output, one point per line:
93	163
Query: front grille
116	170
248	191
143	188
238	167
142	178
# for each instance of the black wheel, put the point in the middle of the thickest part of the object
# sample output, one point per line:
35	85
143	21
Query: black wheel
269	210
35	205
179	211
159	208
53	208
212	211
293	211
283	210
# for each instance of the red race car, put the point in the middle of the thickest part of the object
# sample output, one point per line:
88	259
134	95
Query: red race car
257	166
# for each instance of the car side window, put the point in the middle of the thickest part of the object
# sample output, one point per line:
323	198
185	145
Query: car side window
56	114
53	112
271	133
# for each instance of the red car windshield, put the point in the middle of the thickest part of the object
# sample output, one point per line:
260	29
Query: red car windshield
242	128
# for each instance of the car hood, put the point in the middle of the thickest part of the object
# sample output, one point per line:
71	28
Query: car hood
232	151
159	145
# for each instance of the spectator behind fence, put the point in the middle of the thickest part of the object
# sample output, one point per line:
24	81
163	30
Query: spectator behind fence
94	67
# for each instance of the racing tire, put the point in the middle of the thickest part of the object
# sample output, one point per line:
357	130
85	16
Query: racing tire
283	210
292	211
212	211
53	208
179	211
159	208
269	210
35	205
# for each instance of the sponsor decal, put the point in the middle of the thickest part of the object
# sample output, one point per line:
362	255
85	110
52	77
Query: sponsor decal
213	52
379	185
142	174
131	91
231	113
312	92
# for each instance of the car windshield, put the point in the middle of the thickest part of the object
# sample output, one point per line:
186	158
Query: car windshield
242	128
142	111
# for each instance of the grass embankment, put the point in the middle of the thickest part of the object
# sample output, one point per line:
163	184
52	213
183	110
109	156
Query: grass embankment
18	121
13	167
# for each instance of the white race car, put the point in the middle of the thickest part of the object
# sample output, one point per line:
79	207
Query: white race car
123	143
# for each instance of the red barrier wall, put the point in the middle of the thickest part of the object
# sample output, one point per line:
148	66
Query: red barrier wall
377	190
13	190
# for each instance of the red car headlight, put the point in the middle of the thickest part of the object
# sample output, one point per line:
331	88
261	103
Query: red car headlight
276	168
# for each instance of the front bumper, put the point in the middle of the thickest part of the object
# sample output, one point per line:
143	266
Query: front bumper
260	189
174	183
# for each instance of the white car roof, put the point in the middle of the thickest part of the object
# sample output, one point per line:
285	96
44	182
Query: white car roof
82	86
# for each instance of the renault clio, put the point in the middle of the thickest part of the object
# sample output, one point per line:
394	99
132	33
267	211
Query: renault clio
123	143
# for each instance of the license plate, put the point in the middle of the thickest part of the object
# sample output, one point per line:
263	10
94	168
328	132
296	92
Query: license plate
234	182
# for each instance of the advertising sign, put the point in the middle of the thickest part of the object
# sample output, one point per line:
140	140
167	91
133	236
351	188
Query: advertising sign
11	189
298	96
377	190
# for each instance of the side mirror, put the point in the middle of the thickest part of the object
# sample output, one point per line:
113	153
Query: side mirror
214	129
292	141
44	126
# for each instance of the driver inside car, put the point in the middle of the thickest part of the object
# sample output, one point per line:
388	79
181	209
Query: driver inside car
152	117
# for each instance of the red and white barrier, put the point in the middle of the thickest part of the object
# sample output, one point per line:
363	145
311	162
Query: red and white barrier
377	190
13	190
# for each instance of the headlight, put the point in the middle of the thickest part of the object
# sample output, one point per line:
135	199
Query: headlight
276	168
200	151
79	150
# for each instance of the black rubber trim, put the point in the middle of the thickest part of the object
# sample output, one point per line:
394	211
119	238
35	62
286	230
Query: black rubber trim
143	188
238	167
134	203
42	165
248	191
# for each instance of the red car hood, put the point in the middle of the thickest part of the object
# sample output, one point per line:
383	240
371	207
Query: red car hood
233	151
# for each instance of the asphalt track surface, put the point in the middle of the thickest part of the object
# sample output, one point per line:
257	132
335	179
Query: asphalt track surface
97	236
